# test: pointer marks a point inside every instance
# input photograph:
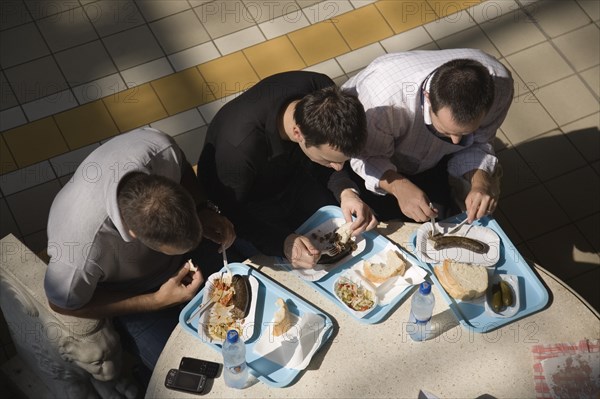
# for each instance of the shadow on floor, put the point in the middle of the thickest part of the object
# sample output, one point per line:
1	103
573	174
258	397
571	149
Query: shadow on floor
551	203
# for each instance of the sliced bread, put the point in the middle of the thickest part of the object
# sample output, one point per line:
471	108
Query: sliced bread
462	281
379	272
281	318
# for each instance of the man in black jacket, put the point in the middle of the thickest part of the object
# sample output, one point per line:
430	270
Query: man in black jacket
269	157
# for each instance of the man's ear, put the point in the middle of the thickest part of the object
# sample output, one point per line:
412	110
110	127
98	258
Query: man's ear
297	134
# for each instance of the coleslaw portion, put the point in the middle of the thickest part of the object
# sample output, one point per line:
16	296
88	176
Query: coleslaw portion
355	296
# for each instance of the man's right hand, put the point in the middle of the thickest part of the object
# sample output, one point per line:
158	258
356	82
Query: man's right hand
300	252
413	201
175	290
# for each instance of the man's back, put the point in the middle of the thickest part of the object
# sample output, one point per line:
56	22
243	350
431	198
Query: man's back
88	241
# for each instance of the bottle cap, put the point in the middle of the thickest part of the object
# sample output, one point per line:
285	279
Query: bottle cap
232	336
425	288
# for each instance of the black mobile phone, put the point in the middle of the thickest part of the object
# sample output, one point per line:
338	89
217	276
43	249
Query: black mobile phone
184	381
198	366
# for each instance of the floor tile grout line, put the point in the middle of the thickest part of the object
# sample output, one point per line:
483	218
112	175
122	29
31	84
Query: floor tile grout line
106	48
528	241
540	181
157	42
559	127
10	153
547	189
212	40
557	49
389	25
570	279
10	85
432	41
429	35
12	215
119	71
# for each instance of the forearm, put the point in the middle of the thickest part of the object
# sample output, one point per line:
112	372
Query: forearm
340	181
479	179
392	182
109	304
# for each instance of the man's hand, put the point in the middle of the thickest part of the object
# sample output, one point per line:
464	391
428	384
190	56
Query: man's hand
217	228
300	252
175	291
481	200
351	204
413	202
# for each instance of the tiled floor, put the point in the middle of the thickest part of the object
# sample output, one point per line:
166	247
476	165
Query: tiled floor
77	73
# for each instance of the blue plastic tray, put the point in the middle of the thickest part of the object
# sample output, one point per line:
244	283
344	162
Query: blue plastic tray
266	371
375	243
533	294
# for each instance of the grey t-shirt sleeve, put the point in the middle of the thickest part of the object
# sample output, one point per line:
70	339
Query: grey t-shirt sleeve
69	287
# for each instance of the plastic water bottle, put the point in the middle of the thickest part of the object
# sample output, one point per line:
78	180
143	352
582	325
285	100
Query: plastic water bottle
235	370
421	309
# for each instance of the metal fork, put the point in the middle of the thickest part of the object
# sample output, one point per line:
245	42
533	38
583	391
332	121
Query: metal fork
434	229
227	277
331	251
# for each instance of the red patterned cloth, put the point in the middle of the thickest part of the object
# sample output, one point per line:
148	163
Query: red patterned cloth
542	352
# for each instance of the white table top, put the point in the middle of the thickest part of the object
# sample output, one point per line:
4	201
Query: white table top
380	360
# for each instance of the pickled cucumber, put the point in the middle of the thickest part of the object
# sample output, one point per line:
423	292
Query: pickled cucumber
496	298
507	297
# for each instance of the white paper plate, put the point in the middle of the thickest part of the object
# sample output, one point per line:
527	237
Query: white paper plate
249	320
414	275
513	281
320	271
295	348
426	253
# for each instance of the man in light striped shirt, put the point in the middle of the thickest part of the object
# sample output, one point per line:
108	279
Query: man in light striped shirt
431	114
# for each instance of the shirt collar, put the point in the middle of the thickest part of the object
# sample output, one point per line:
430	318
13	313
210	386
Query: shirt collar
425	106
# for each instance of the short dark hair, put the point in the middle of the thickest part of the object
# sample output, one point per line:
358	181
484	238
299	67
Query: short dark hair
463	85
159	211
334	117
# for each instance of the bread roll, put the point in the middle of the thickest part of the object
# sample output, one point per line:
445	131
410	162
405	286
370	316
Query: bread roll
281	319
462	281
379	272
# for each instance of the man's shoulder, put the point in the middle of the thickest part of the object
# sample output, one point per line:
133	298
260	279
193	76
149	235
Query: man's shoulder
142	137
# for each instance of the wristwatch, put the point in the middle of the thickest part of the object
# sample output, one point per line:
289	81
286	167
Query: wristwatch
208	204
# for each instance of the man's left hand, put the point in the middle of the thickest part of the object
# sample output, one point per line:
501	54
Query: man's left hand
217	228
351	204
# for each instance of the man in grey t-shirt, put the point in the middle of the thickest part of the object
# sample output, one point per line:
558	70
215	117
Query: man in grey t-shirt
118	233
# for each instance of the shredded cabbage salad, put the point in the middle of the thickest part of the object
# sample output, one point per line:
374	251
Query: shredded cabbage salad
355	296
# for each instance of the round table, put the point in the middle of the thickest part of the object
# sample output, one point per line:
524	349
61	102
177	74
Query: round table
380	360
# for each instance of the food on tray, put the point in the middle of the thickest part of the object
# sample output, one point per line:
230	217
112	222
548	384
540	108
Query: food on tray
355	296
281	319
502	296
345	233
339	241
232	303
379	272
461	280
241	295
443	242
